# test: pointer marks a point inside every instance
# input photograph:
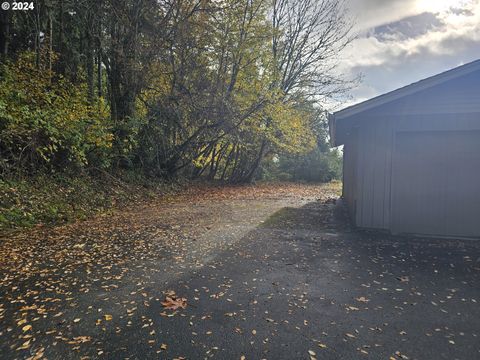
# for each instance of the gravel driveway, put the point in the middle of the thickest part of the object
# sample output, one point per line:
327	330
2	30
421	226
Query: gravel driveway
256	272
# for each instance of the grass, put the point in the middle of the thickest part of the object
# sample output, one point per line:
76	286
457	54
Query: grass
56	199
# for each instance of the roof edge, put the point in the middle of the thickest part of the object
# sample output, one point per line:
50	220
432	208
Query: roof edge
408	90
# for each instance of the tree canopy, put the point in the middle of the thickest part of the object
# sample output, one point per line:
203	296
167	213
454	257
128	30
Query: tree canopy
167	87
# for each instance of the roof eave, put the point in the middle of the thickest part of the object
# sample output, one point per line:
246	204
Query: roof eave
408	90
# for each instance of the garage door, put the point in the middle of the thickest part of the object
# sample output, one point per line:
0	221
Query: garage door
436	183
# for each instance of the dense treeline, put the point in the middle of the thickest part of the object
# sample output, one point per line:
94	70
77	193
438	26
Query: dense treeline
167	87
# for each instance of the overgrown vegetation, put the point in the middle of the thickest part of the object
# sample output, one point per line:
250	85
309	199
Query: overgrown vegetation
316	166
168	89
322	164
58	198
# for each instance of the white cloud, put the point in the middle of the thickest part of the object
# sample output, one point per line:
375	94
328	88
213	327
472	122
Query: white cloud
393	59
372	13
440	5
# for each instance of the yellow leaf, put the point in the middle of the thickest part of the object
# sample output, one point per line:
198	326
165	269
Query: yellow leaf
27	327
107	317
25	345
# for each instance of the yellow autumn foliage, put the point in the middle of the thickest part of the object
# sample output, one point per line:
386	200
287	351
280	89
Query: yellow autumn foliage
44	118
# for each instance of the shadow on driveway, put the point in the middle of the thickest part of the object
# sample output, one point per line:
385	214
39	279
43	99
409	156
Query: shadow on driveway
305	281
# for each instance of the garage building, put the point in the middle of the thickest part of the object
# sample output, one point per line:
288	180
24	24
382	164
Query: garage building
412	156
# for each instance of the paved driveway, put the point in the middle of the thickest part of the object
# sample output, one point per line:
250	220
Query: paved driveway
268	276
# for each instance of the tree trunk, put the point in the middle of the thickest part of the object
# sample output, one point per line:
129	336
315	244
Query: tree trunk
220	156
50	41
99	64
4	33
37	36
211	174
99	74
90	65
229	158
235	165
60	66
249	177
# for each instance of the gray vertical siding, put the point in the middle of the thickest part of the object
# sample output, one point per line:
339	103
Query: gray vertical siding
378	177
372	191
350	152
413	165
436	188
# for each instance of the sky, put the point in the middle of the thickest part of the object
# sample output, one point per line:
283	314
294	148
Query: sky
399	42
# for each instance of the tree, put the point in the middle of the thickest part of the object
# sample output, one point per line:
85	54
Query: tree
308	36
193	87
4	33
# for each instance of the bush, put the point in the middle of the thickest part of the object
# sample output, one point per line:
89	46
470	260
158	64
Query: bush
316	166
59	198
46	121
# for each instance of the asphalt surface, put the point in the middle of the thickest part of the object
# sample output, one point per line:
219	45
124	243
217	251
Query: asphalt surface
295	281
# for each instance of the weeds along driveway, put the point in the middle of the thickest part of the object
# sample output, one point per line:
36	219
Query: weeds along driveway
270	272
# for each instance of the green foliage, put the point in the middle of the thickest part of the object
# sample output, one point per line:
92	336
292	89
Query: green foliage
58	198
168	88
46	121
320	164
315	166
46	199
161	89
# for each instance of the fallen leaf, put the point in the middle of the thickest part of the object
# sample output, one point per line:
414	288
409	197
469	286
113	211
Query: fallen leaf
362	299
170	293
82	339
174	303
25	345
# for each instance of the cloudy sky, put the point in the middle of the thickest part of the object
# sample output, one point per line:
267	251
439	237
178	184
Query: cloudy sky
402	41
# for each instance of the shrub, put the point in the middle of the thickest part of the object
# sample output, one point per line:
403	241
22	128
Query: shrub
46	121
315	166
